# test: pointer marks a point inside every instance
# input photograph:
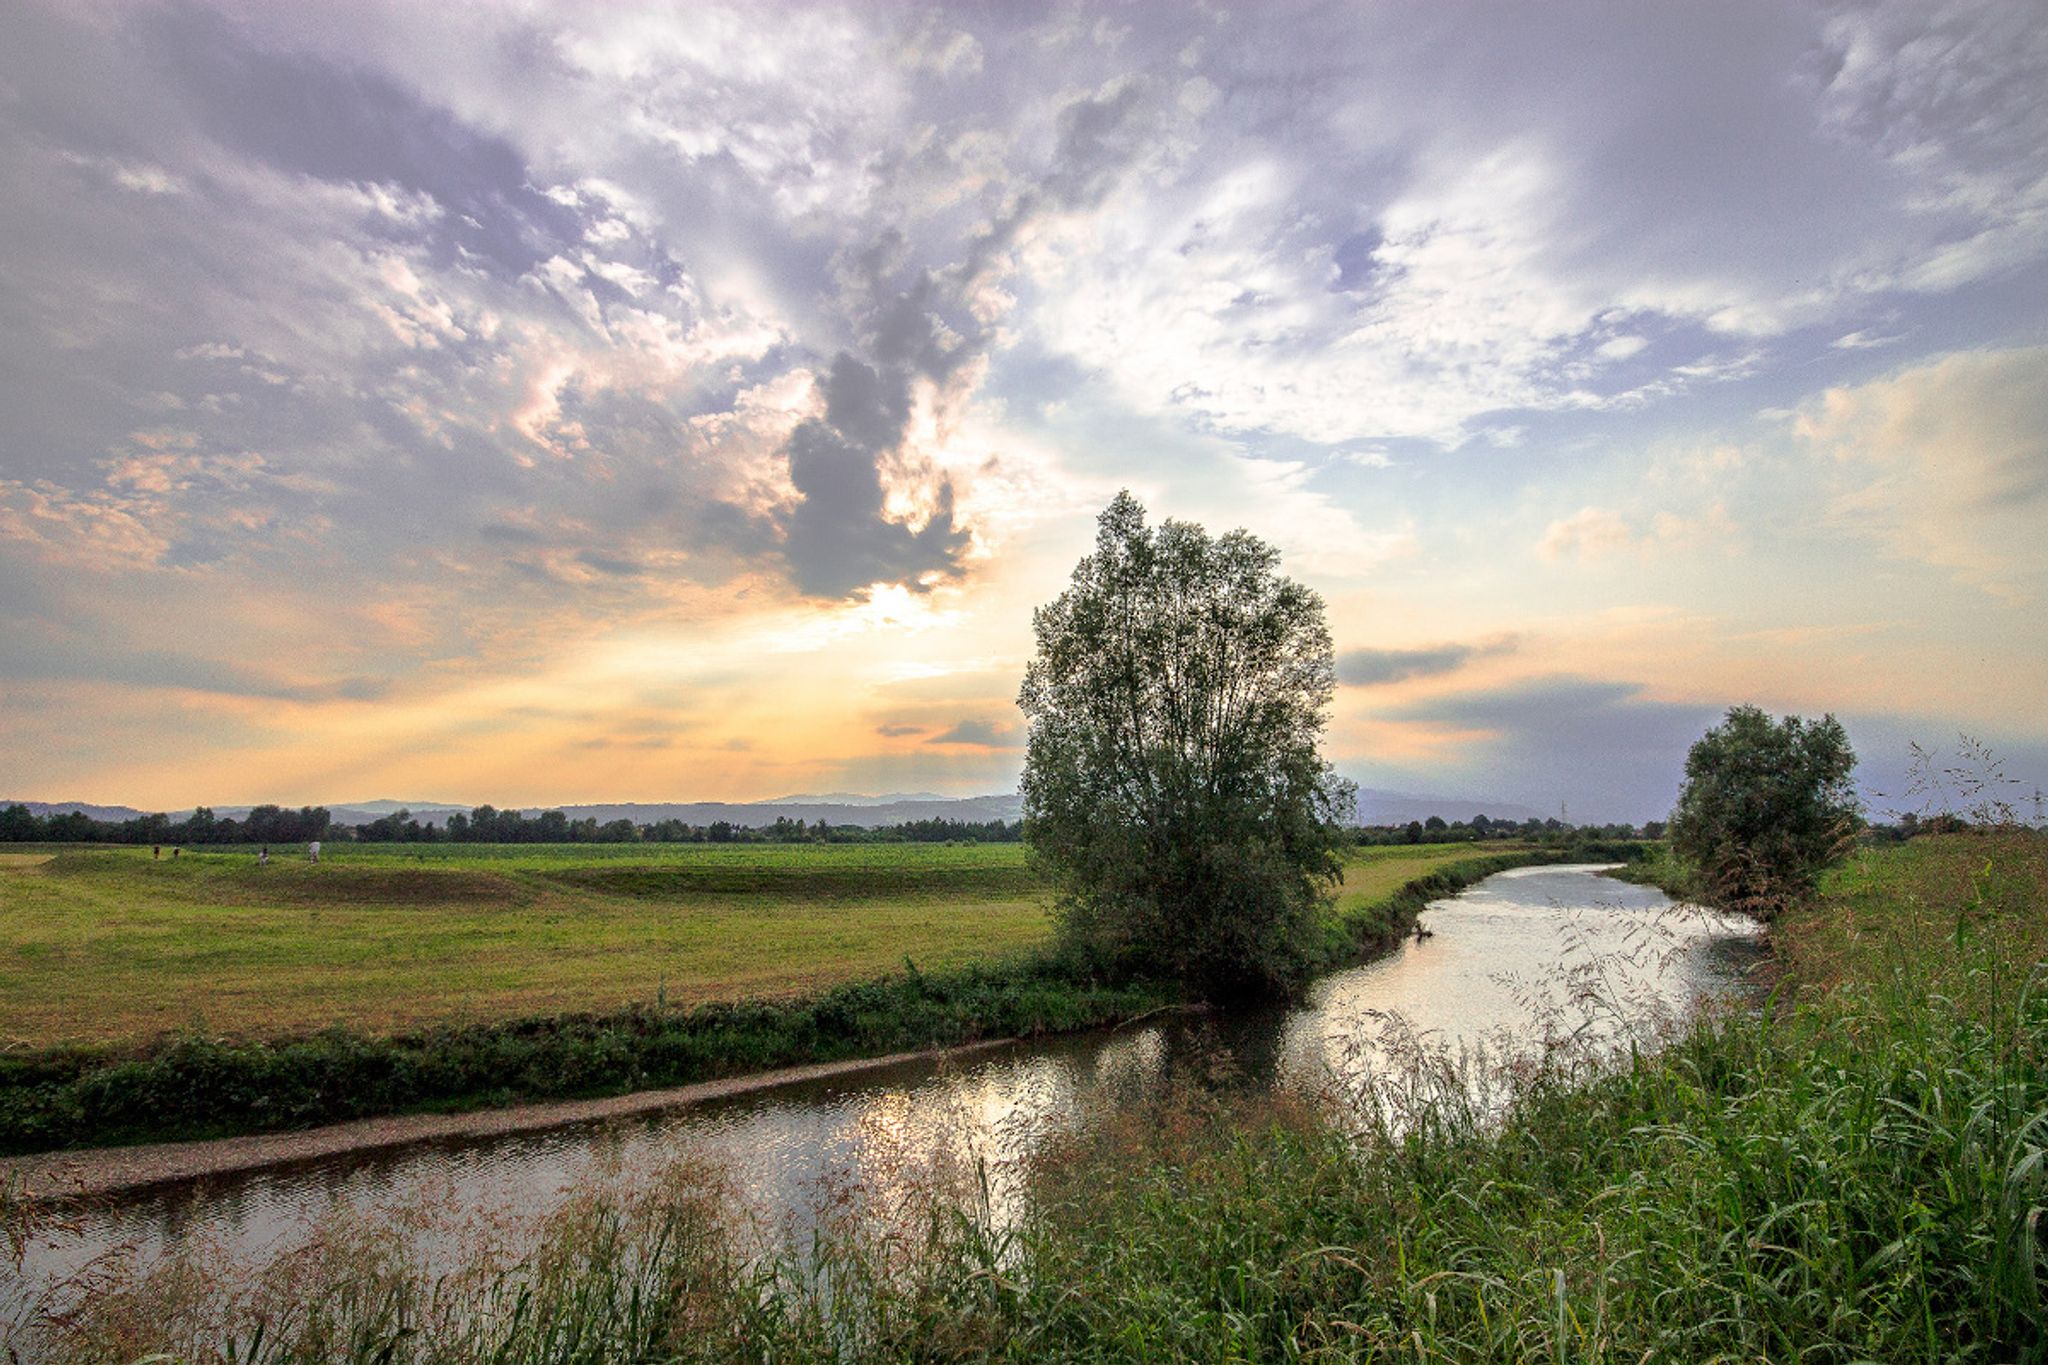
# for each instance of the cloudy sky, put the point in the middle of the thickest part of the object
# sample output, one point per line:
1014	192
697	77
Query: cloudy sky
536	402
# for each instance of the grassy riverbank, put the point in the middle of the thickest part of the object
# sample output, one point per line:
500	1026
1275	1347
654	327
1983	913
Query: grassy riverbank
960	903
1856	1173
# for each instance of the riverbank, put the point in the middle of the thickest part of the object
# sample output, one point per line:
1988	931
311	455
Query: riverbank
200	1088
1858	1171
74	1176
1855	1172
196	1089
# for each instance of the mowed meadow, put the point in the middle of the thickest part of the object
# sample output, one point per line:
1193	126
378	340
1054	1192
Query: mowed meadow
111	946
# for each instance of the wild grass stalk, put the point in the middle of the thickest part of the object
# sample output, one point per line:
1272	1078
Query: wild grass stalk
1853	1172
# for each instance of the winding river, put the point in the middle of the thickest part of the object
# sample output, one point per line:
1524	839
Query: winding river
1536	957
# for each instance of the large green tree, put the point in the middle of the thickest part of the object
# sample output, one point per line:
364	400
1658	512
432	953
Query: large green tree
1173	788
1766	807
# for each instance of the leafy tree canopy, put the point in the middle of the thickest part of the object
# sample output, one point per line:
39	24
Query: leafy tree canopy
1765	808
1172	785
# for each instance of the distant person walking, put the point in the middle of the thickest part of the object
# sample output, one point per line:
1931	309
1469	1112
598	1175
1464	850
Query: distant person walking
156	851
313	851
263	856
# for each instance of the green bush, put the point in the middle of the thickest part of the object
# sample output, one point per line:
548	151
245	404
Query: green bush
1765	809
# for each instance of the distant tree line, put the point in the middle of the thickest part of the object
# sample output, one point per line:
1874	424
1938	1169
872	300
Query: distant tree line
483	825
491	825
1437	830
263	825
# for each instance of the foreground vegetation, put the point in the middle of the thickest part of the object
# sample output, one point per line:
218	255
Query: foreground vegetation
1854	1173
700	964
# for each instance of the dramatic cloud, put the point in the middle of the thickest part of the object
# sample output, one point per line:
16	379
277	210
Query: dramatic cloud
401	395
840	537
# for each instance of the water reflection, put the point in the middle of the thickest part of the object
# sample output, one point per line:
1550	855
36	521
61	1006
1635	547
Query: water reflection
1539	957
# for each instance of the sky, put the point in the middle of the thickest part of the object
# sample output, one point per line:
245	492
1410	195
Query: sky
537	402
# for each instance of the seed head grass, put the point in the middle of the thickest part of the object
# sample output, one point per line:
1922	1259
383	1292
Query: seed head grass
1852	1170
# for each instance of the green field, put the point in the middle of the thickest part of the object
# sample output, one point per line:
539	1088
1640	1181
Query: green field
107	945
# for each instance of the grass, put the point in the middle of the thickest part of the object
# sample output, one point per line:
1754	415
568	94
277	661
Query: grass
1856	1173
108	946
204	1087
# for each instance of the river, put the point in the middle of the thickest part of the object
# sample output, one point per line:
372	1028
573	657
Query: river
1535	957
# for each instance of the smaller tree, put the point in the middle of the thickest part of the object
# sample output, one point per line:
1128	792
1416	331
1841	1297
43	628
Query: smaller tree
1765	808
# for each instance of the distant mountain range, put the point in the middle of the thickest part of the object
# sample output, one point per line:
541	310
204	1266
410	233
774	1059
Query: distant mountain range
1375	807
856	799
870	812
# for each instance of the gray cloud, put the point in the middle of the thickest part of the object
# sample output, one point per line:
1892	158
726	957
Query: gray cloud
308	117
1614	754
605	564
1371	667
29	656
1604	747
839	539
986	733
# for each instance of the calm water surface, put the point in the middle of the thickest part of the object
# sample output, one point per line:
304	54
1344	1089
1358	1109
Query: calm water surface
1525	958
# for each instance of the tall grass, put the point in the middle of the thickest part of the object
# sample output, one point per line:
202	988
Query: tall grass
1855	1172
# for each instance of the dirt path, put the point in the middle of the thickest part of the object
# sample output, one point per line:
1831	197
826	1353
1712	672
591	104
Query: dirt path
112	1170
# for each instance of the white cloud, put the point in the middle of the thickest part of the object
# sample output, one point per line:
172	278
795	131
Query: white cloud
1948	463
1596	533
1199	299
1589	533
